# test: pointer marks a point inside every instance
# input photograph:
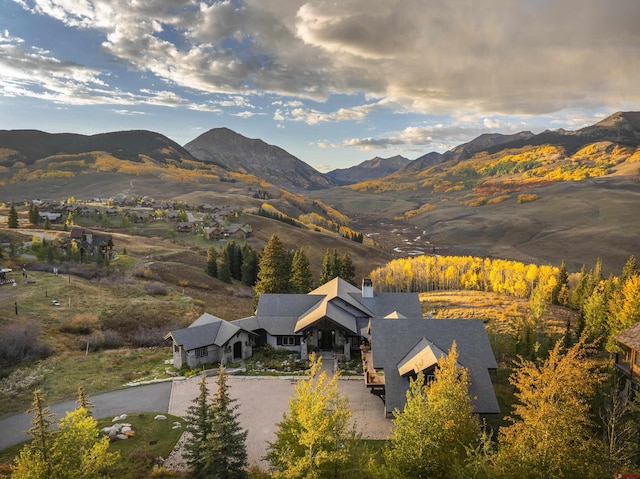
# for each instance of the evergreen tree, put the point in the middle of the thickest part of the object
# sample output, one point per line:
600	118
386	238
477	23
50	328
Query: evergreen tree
83	401
41	423
225	446
301	281
198	419
212	262
551	427
234	256
34	215
630	269
249	266
314	439
224	269
347	269
561	283
12	220
273	269
437	426
330	267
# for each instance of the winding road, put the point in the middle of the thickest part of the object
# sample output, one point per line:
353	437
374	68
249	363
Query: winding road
148	398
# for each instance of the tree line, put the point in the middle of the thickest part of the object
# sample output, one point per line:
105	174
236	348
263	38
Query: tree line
282	271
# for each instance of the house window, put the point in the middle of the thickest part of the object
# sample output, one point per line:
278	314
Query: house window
201	352
176	348
430	378
355	341
288	340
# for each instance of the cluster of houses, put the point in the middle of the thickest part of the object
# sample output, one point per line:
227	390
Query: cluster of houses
215	222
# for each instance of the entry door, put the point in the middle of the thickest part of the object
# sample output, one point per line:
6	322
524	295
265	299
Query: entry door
237	350
326	340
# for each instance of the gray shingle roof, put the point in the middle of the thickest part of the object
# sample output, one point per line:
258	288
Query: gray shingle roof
337	300
630	337
393	339
204	331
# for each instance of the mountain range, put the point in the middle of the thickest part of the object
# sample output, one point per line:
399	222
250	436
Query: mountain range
521	195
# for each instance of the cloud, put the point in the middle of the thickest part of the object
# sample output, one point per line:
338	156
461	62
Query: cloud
424	56
128	112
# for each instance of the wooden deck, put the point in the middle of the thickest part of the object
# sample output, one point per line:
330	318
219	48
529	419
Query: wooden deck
373	378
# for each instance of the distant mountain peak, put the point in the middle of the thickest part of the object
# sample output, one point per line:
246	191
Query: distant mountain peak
271	163
372	169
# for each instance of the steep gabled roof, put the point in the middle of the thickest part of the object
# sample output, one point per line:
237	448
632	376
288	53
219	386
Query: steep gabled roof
329	310
630	337
394	340
423	355
204	331
337	301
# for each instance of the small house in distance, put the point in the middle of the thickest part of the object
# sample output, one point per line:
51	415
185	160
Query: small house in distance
209	340
628	362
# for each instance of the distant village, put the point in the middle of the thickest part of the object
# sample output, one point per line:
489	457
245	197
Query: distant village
213	221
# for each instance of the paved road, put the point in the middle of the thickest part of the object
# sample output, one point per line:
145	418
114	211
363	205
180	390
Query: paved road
149	398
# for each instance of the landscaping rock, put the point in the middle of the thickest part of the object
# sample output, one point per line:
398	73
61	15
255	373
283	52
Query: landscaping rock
160	417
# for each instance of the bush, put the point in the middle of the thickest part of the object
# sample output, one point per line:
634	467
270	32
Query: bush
527	198
144	272
156	287
80	324
147	337
21	342
108	339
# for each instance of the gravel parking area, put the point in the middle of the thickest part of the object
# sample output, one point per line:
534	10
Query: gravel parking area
262	402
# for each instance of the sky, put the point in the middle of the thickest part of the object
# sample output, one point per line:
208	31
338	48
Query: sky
334	83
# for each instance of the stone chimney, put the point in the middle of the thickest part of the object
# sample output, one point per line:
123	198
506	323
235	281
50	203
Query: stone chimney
367	288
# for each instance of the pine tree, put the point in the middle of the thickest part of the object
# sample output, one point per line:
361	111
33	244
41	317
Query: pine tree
41	421
234	255
562	282
224	269
225	446
314	439
436	427
83	400
330	267
12	220
34	214
273	269
199	425
249	266
212	262
347	269
301	281
630	269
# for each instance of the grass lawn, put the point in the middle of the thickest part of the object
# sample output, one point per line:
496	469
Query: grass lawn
153	439
98	372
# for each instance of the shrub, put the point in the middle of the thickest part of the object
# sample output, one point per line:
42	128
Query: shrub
144	272
147	337
21	342
80	324
156	287
527	198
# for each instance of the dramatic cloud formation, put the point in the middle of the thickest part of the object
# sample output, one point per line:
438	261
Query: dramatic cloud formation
313	63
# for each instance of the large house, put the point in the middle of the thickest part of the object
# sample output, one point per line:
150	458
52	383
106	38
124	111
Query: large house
334	317
386	330
628	362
